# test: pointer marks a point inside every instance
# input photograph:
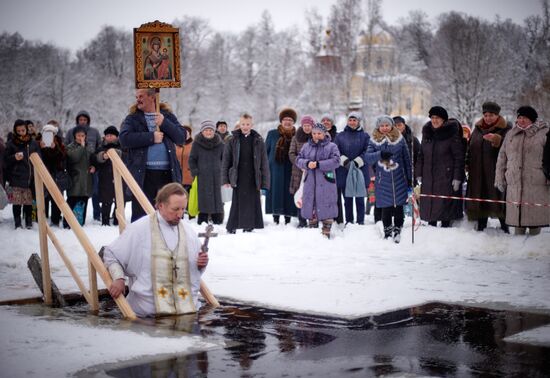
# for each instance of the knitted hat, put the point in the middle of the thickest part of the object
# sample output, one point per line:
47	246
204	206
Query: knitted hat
111	130
307	120
399	119
319	127
50	128
327	116
490	107
79	129
288	112
207	124
355	115
383	119
438	111
529	112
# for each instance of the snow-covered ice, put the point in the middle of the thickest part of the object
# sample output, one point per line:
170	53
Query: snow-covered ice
354	274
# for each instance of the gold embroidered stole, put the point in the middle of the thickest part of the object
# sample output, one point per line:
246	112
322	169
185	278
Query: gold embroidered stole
170	273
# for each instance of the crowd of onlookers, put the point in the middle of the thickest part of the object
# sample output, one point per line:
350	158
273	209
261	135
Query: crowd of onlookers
304	167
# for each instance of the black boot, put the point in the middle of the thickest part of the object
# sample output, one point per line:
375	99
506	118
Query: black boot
302	222
27	209
503	226
276	219
287	220
16	209
397	234
481	224
388	232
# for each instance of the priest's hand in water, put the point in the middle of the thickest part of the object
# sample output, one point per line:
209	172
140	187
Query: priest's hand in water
202	260
117	288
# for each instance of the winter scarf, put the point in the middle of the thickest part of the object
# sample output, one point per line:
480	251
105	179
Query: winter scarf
393	136
446	131
206	143
21	140
283	144
301	136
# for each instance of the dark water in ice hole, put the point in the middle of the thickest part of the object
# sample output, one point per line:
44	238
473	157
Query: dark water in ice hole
430	340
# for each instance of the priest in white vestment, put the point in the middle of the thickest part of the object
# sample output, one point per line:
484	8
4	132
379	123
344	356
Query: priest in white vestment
162	258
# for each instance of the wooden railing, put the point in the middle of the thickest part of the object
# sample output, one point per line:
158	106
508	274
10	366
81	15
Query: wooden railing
42	178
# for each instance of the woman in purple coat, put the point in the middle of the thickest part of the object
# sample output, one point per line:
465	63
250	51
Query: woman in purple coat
319	157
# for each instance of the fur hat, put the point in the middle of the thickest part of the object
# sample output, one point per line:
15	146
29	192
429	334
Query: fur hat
307	120
384	119
355	115
288	112
438	111
529	112
399	119
319	127
207	124
111	130
490	107
79	129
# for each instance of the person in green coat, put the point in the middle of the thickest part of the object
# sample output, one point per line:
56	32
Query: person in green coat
81	170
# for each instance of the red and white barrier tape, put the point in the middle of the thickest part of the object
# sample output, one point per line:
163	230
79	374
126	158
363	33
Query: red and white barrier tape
487	200
416	208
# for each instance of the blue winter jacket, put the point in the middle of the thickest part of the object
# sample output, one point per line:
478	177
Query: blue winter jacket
352	144
394	175
136	137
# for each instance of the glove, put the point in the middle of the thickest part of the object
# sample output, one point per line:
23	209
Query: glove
456	185
386	155
346	163
358	162
419	180
501	187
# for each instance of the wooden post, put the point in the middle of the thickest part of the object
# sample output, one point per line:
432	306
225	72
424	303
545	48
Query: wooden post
69	216
157	96
43	238
92	279
35	266
119	166
119	195
69	265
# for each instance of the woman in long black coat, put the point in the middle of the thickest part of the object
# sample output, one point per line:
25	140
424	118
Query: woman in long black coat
205	163
440	168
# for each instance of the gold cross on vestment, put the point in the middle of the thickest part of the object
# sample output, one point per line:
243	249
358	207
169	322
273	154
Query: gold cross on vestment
163	292
183	293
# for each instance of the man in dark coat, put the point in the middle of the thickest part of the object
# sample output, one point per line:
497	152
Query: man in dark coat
481	161
440	168
105	174
150	138
245	168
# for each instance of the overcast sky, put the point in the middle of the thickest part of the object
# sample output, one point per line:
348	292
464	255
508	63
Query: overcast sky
72	23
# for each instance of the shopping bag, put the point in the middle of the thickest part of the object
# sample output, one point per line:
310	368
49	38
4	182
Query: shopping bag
300	192
3	198
227	194
193	205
